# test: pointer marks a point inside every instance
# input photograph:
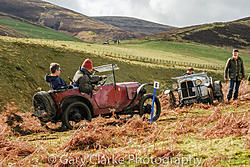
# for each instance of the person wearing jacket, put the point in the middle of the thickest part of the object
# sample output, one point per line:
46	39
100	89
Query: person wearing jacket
234	71
84	78
190	71
53	79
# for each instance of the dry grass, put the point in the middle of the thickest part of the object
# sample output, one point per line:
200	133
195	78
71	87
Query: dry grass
113	139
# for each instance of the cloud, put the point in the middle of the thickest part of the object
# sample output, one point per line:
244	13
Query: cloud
171	12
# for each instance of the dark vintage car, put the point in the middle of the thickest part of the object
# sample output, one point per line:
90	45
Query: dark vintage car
70	106
195	88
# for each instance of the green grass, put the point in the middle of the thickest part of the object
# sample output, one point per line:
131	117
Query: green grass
212	54
32	31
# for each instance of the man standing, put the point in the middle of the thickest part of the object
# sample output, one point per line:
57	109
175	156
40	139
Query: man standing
235	69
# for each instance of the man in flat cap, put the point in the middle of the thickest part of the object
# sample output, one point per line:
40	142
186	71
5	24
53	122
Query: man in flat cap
234	71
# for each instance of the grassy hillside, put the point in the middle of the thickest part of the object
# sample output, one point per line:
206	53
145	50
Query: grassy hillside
134	25
61	19
24	63
235	33
191	52
7	31
33	31
166	53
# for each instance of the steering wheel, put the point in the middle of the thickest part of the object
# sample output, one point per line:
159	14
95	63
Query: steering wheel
104	81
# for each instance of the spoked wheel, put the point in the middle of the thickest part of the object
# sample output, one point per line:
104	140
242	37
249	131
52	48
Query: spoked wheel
74	113
146	106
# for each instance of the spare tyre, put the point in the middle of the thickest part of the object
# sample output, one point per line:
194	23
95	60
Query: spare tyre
44	106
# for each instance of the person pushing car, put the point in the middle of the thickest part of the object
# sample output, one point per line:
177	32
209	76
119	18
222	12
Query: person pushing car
84	78
235	70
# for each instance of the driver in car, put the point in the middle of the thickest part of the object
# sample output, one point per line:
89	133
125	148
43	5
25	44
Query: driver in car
190	71
84	78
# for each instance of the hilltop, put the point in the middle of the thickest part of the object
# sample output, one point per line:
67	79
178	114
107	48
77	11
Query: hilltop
134	25
63	20
234	33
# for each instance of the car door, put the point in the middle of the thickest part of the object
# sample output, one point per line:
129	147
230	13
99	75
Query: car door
105	96
109	96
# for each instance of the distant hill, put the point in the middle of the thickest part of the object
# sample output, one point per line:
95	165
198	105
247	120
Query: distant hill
134	25
63	20
235	33
13	26
6	31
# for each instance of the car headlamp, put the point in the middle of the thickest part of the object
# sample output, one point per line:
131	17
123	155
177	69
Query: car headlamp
175	86
198	82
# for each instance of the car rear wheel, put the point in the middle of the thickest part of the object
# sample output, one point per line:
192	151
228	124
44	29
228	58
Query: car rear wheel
74	113
44	107
146	106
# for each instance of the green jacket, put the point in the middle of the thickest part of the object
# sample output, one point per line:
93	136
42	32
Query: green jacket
235	69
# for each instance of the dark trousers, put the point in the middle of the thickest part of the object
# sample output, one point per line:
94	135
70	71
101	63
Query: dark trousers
234	85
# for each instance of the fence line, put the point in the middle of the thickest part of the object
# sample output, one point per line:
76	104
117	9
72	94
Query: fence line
156	60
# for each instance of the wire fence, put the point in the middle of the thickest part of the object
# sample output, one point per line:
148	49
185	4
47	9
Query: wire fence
157	61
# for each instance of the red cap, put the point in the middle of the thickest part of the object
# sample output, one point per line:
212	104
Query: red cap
87	64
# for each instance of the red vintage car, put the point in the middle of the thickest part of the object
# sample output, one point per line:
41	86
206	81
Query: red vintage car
70	106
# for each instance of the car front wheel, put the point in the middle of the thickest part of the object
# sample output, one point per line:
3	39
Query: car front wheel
146	107
74	113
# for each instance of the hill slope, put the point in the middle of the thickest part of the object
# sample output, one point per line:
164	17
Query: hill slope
6	31
235	33
64	20
13	26
134	25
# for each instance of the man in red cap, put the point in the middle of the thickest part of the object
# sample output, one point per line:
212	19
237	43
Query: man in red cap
84	78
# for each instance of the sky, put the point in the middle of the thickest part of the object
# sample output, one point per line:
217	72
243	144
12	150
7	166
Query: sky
179	13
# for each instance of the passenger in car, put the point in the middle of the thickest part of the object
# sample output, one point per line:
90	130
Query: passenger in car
84	78
53	79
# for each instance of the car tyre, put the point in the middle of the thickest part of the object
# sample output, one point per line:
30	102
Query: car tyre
172	100
143	107
76	108
45	102
210	96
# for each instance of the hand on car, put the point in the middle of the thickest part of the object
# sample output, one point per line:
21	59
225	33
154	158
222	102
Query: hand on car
96	88
104	76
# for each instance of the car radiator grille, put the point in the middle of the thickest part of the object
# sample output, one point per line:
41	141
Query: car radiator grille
187	89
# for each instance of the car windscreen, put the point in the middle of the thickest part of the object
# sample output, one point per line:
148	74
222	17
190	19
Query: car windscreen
110	80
